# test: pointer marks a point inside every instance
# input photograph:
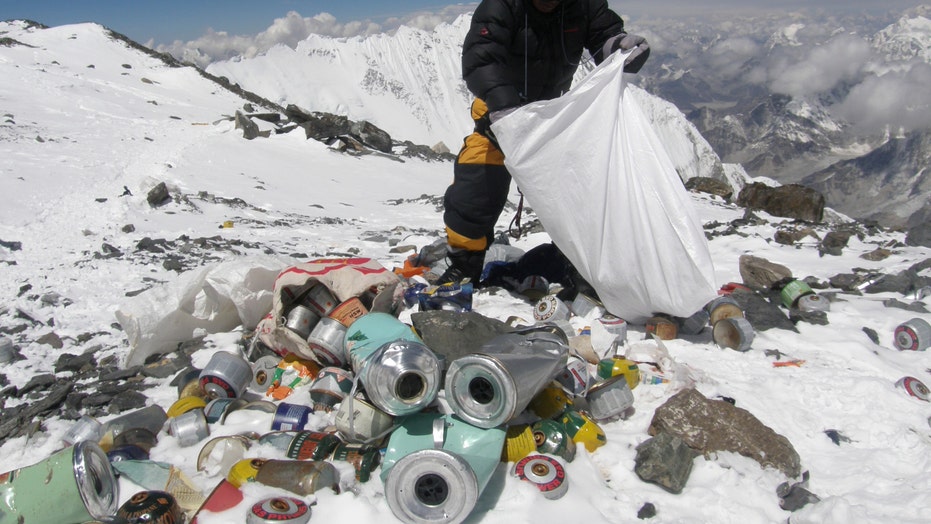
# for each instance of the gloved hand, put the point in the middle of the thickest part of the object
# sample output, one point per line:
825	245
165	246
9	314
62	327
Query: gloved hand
637	45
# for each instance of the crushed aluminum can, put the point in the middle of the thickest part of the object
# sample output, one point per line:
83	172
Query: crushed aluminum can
914	335
303	477
734	333
221	453
216	410
151	506
546	472
86	428
610	399
279	509
189	428
915	388
615	326
450	296
612	367
226	375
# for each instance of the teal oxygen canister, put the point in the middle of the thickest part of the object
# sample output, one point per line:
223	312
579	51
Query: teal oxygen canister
436	466
400	374
75	484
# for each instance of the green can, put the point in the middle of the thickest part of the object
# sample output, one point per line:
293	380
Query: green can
75	484
552	438
364	458
793	291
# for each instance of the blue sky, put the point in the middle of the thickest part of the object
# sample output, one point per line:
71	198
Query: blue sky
167	20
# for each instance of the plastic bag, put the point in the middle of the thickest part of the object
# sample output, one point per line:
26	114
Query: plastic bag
607	193
214	299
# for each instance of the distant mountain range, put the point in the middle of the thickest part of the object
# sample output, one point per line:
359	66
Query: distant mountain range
409	84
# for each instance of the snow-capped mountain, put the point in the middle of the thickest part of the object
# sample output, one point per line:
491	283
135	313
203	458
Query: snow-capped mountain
409	83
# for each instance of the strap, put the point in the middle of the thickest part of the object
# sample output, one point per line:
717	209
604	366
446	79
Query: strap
515	229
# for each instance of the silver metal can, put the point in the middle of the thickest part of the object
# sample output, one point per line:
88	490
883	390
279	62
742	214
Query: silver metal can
226	375
546	472
550	308
914	335
327	341
735	333
400	377
610	398
279	509
813	302
320	300
360	421
189	428
432	485
301	320
263	373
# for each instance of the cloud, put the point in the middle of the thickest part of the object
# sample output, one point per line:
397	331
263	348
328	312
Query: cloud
293	28
898	101
803	70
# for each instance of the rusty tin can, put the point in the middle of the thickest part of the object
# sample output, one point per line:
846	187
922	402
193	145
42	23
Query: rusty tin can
303	477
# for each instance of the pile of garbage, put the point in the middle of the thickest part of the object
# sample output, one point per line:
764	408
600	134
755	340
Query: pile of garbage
334	381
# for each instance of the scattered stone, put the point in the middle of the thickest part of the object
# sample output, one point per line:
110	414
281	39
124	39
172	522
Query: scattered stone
127	401
711	186
158	195
789	201
51	339
38	382
919	235
811	317
836	436
834	243
790	237
647	511
714	425
440	148
75	363
872	334
165	367
915	307
250	129
848	281
119	374
793	497
903	283
665	460
372	136
877	254
759	273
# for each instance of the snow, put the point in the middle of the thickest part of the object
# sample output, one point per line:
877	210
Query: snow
104	128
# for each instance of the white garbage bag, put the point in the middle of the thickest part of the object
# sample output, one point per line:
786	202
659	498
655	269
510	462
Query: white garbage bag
598	177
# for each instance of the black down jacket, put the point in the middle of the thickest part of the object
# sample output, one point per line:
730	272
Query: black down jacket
510	37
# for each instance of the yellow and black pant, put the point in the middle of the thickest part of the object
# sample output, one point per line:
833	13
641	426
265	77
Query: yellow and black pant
479	190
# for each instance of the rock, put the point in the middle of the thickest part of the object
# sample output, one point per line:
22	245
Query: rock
834	243
915	307
708	426
127	401
789	201
51	339
453	334
877	254
759	273
790	237
919	235
158	195
904	283
811	317
847	281
372	136
75	363
250	129
711	186
38	382
440	148
872	334
665	460
762	314
647	511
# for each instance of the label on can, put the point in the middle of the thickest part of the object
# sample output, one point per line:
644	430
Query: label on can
347	312
914	335
915	388
546	473
304	445
549	308
792	291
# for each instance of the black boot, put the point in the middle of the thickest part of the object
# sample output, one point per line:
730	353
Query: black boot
463	265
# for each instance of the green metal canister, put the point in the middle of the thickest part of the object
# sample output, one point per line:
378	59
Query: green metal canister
75	484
